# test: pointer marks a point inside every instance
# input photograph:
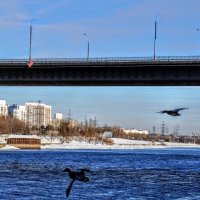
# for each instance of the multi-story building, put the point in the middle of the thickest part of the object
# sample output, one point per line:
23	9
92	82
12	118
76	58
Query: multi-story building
3	108
18	111
38	114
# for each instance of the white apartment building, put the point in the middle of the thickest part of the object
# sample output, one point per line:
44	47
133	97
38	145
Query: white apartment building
38	114
3	108
18	111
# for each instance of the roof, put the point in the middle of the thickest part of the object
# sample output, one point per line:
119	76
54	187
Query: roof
23	137
38	104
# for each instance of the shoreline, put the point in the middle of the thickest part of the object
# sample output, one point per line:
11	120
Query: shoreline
116	147
139	147
118	144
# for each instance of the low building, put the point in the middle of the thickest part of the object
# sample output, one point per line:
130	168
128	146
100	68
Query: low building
24	141
135	131
106	134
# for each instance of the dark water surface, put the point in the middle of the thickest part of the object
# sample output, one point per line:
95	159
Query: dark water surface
125	174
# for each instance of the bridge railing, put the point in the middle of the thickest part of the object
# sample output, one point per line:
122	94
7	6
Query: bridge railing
105	59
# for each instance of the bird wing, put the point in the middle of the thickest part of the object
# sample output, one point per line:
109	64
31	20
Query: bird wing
164	111
69	187
177	110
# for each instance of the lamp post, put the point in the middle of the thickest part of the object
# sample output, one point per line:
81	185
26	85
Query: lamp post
155	38
197	29
30	62
88	46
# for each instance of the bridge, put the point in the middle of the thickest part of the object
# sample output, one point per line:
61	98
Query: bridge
141	71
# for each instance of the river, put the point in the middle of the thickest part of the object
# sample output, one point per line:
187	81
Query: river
115	174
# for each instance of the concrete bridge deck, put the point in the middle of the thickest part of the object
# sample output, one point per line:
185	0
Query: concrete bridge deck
166	71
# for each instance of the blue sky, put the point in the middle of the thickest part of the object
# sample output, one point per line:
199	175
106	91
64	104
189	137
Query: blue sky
116	28
129	107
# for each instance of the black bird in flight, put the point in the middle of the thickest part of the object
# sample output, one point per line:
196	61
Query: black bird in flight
75	175
174	112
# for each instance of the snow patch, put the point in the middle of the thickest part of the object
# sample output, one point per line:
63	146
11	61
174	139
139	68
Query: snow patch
8	147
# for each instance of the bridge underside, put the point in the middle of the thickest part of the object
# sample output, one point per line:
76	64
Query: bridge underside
101	74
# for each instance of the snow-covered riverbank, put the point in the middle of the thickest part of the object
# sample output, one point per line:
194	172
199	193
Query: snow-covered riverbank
118	143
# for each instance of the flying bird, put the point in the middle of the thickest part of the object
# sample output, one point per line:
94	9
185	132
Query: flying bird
174	112
75	175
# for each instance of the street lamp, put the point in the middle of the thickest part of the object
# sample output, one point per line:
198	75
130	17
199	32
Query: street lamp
155	37
30	62
88	46
197	29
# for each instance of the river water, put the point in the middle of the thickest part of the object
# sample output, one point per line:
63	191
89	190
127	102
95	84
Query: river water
115	174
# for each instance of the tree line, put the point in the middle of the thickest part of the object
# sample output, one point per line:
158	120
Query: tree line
88	132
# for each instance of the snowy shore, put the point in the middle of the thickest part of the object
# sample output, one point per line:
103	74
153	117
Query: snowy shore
75	143
118	144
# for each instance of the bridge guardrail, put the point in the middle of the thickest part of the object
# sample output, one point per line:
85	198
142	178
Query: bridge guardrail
104	59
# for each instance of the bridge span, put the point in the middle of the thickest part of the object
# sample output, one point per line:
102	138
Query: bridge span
166	71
